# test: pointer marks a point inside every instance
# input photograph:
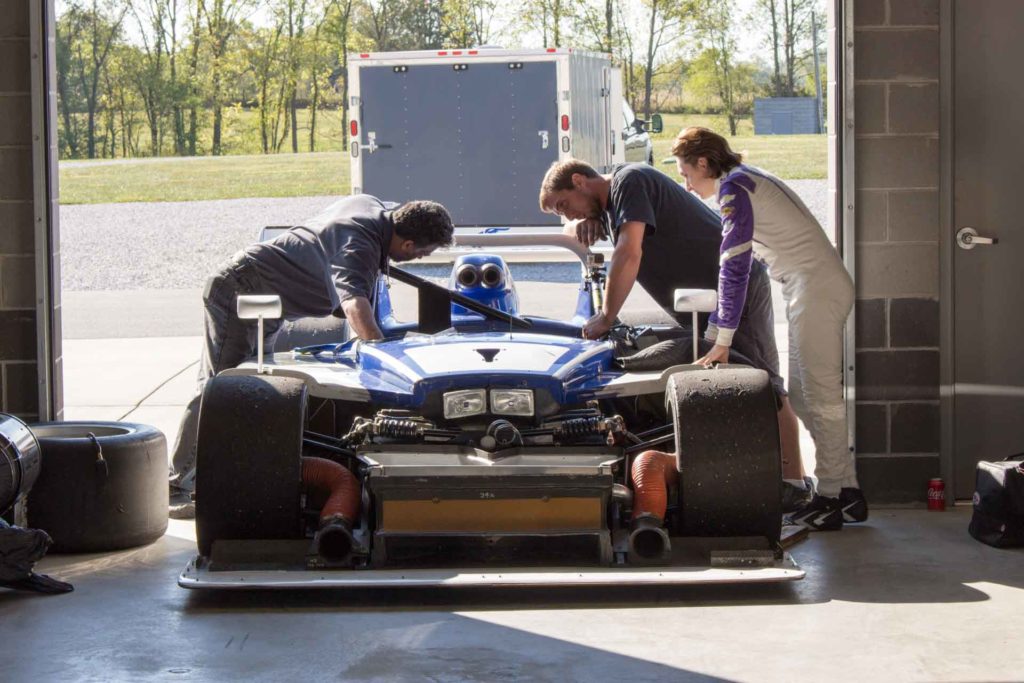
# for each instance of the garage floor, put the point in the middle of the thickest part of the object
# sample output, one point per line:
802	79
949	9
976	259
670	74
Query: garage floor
908	596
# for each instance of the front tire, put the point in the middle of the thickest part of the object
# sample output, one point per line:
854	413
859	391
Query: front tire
727	453
249	459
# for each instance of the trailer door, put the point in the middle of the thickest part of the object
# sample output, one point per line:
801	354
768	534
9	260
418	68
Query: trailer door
476	137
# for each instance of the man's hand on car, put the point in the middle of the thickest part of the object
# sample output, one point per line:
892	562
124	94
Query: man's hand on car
587	230
597	326
717	354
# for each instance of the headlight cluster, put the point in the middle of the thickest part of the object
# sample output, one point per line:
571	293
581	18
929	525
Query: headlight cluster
474	402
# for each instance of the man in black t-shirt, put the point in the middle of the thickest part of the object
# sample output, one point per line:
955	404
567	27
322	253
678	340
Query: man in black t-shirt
665	238
328	265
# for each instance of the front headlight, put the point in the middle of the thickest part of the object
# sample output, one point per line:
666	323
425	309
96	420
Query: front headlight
512	402
464	403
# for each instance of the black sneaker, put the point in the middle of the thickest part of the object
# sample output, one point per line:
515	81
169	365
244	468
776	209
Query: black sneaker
855	506
820	514
794	497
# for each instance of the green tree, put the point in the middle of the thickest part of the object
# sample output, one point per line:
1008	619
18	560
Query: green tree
90	31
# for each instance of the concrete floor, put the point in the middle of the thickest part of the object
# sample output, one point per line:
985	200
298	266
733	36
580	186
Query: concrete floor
908	596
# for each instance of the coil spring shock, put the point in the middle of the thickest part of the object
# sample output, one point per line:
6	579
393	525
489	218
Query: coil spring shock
397	428
578	427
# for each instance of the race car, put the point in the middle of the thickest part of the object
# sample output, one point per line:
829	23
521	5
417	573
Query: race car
480	445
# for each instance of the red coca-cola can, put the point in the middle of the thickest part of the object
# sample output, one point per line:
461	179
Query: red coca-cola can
936	494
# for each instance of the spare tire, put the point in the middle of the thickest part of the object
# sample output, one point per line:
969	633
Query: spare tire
102	492
727	452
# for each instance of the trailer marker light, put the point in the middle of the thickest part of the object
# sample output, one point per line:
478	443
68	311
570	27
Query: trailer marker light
364	55
442	53
565	122
552	49
473	52
565	143
456	53
354	127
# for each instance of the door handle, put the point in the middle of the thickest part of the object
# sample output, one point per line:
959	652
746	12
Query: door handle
968	238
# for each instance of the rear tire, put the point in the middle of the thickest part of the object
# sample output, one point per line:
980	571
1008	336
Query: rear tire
249	459
727	453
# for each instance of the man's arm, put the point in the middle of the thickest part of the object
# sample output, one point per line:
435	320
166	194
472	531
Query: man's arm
621	277
624	268
359	315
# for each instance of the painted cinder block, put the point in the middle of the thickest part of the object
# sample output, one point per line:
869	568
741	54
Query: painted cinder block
16	118
869	13
898	375
885	55
872	428
914	216
897	270
15	173
18	281
869	109
17	235
14	18
872	215
22	389
913	12
897	162
914	108
871	325
913	323
18	341
914	427
15	76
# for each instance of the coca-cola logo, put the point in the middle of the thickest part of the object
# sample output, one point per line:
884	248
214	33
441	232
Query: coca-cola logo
936	494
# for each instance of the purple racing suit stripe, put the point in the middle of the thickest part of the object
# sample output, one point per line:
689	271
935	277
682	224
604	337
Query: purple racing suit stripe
736	253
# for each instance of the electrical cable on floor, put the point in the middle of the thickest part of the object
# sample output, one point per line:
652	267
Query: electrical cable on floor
158	388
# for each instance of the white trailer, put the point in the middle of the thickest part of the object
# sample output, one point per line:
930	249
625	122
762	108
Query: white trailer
476	129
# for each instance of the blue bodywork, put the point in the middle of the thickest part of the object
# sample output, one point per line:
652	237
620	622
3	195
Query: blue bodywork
407	368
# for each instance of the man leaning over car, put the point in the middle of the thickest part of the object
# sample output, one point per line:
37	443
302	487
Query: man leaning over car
665	238
329	265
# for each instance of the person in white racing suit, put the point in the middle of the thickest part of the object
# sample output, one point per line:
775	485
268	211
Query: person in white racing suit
763	218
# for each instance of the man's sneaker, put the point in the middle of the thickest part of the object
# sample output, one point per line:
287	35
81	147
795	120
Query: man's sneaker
855	506
794	497
820	514
182	511
180	504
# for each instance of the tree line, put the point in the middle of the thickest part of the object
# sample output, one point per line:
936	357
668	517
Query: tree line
169	77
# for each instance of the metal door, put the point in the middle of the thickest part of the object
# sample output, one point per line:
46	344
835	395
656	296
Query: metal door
988	284
476	137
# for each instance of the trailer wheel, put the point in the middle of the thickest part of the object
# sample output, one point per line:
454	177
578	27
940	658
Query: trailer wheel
249	459
727	453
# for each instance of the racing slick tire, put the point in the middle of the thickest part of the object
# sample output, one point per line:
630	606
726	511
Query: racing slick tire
727	452
102	485
249	459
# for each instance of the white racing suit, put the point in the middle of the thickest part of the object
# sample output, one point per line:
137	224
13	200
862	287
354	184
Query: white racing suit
762	216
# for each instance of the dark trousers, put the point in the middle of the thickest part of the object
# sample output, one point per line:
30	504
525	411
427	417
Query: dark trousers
228	342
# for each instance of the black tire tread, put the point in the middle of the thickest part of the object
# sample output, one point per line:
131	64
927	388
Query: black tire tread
727	452
249	459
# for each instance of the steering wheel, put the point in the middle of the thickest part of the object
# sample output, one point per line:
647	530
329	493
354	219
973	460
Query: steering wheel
486	311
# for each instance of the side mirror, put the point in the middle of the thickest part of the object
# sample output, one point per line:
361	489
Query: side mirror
656	123
695	301
259	307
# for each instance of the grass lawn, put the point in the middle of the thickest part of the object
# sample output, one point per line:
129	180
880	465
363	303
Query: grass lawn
327	173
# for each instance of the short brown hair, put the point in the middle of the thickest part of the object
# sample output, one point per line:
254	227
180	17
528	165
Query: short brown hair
559	176
696	142
424	222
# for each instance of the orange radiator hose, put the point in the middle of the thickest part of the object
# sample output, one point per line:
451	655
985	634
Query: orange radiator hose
653	473
342	486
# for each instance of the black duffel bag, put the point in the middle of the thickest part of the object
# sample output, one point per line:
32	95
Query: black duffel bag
998	518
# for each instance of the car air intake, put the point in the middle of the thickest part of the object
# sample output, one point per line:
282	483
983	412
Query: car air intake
19	461
467	275
491	275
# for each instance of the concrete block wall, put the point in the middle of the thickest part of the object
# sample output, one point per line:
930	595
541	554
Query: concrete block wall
896	99
18	352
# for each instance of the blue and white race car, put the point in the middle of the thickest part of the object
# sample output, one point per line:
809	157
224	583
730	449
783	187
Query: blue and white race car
480	445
